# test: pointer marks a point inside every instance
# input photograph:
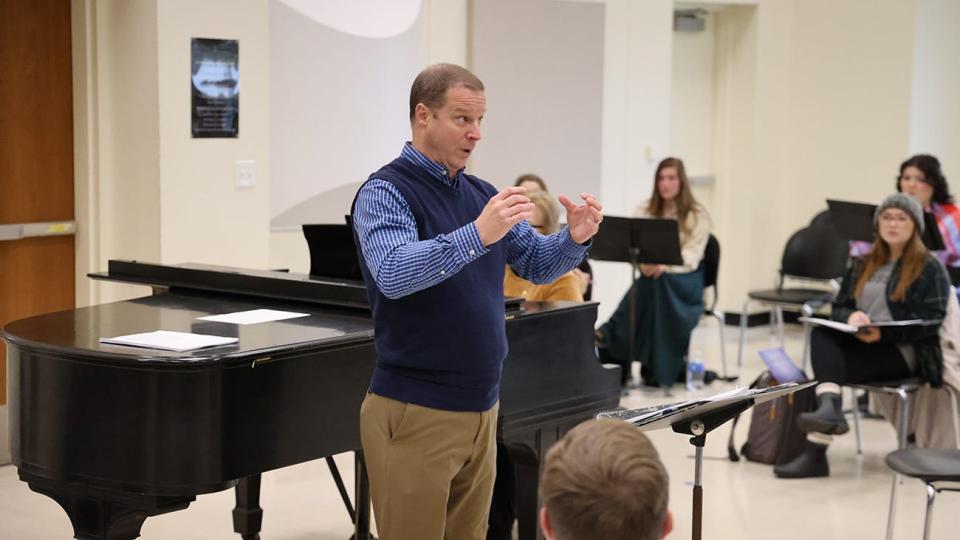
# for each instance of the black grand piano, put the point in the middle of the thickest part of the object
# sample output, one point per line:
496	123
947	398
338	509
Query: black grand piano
117	434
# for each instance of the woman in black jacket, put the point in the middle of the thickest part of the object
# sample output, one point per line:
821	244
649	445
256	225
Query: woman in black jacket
898	280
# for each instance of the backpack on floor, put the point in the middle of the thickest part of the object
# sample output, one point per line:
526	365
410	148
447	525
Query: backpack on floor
774	437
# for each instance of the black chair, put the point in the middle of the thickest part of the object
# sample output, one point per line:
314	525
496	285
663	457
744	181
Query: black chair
710	264
814	253
939	469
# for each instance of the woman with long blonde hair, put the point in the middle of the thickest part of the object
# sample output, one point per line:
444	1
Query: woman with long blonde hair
669	299
898	280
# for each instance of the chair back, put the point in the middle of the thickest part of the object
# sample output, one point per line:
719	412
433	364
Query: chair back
710	265
816	251
711	262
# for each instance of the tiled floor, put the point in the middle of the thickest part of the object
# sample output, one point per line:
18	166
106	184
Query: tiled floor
741	500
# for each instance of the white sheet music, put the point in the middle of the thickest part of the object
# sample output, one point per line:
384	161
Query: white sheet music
254	316
851	329
169	341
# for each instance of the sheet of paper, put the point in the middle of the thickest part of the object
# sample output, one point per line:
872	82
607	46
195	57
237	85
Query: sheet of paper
254	316
843	327
169	341
851	329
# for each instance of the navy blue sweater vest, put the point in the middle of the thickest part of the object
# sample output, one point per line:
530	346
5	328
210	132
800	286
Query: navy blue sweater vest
442	347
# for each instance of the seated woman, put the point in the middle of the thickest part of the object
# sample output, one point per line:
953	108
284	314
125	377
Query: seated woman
546	220
898	280
532	182
583	272
669	299
922	178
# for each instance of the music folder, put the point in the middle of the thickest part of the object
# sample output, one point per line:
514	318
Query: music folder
333	253
638	240
661	416
854	221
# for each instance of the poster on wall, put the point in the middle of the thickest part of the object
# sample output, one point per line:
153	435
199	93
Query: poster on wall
215	87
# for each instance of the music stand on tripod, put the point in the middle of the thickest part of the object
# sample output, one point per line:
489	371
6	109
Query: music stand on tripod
636	241
698	418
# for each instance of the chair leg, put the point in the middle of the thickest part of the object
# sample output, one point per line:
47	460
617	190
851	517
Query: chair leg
928	518
743	333
780	326
807	311
856	421
904	417
955	408
891	513
723	342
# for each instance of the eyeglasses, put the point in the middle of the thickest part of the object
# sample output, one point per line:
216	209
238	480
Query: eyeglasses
898	219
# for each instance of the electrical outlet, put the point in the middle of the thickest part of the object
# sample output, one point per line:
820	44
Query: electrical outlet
246	173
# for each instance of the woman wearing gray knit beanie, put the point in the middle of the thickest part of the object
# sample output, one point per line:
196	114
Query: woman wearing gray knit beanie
898	280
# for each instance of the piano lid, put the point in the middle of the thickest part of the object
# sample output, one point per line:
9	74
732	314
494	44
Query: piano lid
226	279
327	291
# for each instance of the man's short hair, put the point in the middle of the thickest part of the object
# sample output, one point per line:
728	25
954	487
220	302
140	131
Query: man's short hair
604	479
431	85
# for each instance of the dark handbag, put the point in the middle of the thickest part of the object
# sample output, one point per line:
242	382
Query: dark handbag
774	437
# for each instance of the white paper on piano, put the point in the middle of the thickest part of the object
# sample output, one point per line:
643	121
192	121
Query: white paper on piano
254	316
170	341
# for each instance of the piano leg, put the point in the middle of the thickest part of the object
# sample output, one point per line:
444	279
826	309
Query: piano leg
362	497
98	514
248	516
528	501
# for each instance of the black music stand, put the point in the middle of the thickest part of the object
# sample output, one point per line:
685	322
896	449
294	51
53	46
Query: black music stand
698	418
636	241
854	221
333	253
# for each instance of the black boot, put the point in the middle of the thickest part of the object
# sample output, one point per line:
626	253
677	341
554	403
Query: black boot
811	463
828	418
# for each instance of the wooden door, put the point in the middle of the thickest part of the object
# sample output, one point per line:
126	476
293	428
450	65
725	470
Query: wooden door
36	161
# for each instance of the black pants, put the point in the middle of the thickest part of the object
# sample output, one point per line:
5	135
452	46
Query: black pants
843	359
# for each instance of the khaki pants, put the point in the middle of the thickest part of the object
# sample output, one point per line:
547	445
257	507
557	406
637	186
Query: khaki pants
431	471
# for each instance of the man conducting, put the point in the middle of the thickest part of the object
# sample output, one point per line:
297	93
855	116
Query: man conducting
435	242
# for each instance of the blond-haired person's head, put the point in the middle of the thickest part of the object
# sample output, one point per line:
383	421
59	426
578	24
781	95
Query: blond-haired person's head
546	213
604	479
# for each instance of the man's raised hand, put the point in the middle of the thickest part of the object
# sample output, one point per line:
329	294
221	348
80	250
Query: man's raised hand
583	221
503	211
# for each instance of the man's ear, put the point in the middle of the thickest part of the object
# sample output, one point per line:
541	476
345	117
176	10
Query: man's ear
421	114
545	524
667	524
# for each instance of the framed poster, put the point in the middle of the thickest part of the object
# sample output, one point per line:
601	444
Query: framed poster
215	87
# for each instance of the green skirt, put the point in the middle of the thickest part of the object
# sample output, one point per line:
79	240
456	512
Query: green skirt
668	309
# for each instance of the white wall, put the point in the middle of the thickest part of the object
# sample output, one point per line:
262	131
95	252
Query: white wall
117	135
691	107
636	119
329	133
935	98
203	216
811	99
812	106
541	62
145	189
692	95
